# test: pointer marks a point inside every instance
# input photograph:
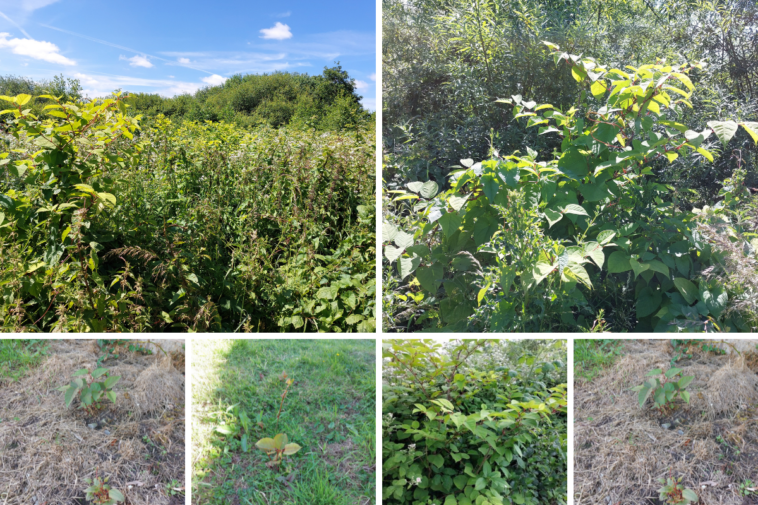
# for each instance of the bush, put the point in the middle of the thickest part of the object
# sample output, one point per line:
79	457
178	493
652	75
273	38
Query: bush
527	243
328	102
463	436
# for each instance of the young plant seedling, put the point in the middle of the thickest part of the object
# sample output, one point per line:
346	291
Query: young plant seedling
673	493
100	493
666	391
278	447
91	391
284	395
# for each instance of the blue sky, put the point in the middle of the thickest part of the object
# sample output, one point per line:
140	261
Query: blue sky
174	47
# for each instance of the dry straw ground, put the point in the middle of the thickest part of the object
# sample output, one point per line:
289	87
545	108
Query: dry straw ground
47	450
621	450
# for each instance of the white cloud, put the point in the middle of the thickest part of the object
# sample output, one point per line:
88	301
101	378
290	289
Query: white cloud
361	85
37	49
184	61
369	103
372	77
278	32
214	80
283	14
137	61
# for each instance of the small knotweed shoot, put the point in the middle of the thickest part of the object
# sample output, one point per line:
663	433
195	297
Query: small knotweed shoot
278	447
666	391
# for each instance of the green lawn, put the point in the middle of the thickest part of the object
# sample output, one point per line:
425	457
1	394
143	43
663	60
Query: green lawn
17	356
329	411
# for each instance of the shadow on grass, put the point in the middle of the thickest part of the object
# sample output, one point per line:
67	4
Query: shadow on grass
329	411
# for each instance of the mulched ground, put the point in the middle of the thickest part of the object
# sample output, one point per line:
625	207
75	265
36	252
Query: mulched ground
47	450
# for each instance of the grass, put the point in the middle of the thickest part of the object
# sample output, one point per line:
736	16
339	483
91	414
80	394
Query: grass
329	411
592	356
18	356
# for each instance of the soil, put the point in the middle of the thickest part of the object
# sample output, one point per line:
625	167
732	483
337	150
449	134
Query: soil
621	450
47	450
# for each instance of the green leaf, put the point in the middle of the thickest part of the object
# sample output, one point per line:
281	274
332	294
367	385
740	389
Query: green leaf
266	444
685	381
595	252
552	216
618	262
456	202
573	208
290	449
280	441
391	253
450	223
460	481
540	271
244	443
451	500
687	289
406	265
605	236
111	381
69	396
637	267
752	128
436	460
482	293
80	372
22	99
685	396
724	130
573	164
690	495
580	274
648	302
403	240
644	392
598	89
116	495
430	277
98	372
672	372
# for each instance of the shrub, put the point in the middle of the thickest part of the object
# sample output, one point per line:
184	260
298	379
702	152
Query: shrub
465	436
520	243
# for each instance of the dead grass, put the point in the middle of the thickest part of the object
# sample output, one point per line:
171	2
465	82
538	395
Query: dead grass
621	450
46	450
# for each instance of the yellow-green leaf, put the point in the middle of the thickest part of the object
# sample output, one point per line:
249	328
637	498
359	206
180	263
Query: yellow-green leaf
22	99
290	449
266	444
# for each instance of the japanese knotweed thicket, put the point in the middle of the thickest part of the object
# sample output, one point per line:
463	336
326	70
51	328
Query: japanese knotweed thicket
530	244
182	226
484	437
445	63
